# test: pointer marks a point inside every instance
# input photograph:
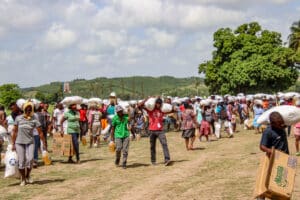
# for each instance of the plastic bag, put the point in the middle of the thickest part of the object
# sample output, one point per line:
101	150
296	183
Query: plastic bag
166	108
72	100
112	146
46	158
3	131
83	140
11	164
150	103
20	103
290	114
105	130
96	101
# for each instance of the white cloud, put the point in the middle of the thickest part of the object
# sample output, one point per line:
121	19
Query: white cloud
207	16
162	39
19	16
93	59
111	38
233	2
57	37
112	35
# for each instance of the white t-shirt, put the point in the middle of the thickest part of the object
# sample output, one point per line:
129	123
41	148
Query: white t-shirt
59	114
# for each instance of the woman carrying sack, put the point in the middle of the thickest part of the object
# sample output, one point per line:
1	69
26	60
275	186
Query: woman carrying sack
23	140
72	116
189	120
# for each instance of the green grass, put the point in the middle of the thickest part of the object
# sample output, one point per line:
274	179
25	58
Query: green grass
223	169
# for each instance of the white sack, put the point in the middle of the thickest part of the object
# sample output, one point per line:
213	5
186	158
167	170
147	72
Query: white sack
3	131
290	114
105	131
11	164
166	108
150	103
20	103
72	100
96	101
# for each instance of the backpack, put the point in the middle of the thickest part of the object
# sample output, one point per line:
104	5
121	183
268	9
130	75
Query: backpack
223	113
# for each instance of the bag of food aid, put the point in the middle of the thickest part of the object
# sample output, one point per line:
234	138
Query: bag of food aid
20	103
112	146
11	164
166	108
72	100
150	103
96	101
105	130
3	131
290	115
46	158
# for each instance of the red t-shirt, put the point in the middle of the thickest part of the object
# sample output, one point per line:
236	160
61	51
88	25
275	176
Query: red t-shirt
155	120
82	113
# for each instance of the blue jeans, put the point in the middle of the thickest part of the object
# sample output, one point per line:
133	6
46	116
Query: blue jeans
76	144
37	145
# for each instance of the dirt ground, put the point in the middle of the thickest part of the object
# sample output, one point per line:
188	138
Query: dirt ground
223	169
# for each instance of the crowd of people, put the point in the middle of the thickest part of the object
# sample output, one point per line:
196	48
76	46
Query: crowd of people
29	126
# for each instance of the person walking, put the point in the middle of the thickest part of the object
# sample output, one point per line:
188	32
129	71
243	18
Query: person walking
120	134
156	131
189	122
73	128
23	140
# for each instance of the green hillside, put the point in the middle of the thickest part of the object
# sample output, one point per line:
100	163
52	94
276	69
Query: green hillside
126	88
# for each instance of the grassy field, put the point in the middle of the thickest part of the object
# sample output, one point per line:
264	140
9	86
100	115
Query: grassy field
223	169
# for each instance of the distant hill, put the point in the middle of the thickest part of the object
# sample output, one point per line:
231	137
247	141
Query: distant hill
135	87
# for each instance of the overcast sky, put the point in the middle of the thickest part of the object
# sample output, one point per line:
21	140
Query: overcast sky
61	40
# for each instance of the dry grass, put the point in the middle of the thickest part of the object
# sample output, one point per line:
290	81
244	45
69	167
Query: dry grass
223	169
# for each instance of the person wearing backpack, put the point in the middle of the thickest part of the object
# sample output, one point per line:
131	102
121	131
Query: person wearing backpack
222	114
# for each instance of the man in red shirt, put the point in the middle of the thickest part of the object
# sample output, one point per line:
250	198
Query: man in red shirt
156	131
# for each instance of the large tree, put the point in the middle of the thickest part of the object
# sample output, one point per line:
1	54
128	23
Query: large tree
294	40
248	60
9	93
294	37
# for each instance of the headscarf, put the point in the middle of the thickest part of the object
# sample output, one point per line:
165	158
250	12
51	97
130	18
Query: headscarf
26	104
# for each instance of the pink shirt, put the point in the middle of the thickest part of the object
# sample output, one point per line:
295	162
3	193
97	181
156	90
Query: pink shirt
188	118
155	120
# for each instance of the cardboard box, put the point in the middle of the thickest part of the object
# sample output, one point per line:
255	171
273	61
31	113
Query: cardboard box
62	146
276	176
68	149
57	144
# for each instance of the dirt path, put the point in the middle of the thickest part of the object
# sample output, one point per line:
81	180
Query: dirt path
223	169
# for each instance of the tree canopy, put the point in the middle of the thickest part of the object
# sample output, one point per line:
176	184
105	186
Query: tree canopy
294	40
9	93
248	60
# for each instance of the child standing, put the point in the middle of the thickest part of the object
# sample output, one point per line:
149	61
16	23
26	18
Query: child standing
139	124
120	134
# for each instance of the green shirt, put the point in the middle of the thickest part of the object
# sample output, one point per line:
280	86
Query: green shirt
73	121
121	130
